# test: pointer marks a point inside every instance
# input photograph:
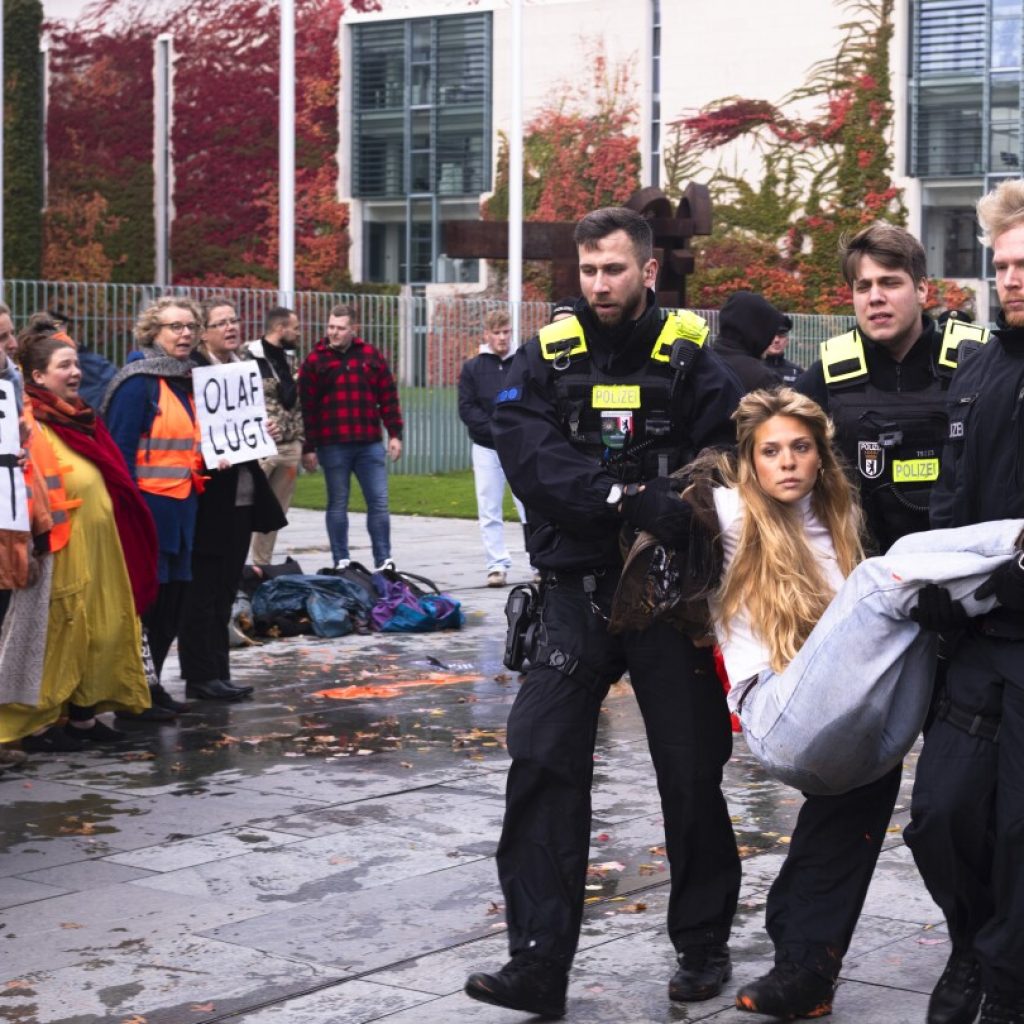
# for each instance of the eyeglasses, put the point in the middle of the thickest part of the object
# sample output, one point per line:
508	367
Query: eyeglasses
177	327
228	321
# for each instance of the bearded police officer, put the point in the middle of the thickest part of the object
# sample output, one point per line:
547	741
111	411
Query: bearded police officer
595	414
884	384
967	813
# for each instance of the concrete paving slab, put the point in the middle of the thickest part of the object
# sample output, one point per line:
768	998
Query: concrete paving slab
171	980
309	871
361	931
352	1000
215	846
327	860
16	891
83	875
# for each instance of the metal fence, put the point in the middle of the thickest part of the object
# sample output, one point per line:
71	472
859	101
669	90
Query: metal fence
425	341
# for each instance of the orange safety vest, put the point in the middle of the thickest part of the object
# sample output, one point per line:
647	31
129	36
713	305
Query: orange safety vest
41	452
167	460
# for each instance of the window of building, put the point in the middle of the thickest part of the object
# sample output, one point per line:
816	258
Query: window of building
421	130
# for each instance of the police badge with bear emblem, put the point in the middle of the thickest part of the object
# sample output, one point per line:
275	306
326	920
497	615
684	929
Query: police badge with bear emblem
870	459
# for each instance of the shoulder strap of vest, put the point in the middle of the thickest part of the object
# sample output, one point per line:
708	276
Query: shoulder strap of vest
956	334
680	339
564	338
843	361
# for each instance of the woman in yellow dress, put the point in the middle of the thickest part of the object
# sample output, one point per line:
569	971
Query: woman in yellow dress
104	562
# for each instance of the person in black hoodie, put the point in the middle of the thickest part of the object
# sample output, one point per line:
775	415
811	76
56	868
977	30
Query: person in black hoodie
968	804
747	325
481	380
595	414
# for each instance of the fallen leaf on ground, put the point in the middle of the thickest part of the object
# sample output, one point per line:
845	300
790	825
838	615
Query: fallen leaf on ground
201	1007
633	908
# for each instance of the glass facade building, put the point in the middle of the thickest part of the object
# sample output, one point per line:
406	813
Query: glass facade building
965	120
421	140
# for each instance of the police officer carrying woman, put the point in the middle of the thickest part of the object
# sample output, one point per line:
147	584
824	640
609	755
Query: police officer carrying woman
618	395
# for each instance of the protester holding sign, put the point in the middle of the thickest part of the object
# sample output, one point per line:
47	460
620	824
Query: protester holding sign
237	499
149	410
104	563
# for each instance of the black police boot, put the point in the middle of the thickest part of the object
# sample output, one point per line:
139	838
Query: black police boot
702	972
997	1010
957	996
527	982
788	991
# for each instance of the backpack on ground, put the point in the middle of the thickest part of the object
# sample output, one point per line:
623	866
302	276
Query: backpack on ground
290	605
408	603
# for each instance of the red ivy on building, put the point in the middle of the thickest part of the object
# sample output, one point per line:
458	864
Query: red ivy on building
822	176
224	139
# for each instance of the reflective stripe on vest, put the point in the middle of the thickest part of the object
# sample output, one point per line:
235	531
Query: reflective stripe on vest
566	339
168	456
955	332
685	325
563	338
53	472
843	360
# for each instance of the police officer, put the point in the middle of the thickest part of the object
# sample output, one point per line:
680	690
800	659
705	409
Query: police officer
596	413
884	385
967	812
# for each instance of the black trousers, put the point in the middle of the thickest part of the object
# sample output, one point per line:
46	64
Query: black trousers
814	903
542	854
967	813
163	620
203	640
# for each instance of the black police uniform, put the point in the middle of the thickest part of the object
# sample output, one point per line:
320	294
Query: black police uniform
814	904
552	425
787	371
967	813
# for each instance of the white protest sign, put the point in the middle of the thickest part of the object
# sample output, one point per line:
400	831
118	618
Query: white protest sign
232	413
13	497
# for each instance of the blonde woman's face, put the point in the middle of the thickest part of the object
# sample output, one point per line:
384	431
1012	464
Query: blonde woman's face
786	459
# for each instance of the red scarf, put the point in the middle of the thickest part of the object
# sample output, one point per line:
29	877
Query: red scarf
77	425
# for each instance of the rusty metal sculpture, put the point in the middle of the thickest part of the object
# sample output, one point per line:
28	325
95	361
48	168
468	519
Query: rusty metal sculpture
673	233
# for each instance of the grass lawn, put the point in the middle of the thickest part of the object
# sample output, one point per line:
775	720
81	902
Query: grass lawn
450	495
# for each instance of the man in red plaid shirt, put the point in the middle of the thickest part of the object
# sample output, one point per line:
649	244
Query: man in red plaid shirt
347	391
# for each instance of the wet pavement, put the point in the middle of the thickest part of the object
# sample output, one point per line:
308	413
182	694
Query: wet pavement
322	854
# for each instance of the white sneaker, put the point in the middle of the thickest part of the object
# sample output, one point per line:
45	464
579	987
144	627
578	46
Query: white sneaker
343	563
388	563
496	578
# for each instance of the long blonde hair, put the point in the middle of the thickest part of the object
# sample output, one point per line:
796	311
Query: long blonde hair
775	574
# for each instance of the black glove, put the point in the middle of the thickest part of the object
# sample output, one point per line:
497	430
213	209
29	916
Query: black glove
1006	584
937	611
658	509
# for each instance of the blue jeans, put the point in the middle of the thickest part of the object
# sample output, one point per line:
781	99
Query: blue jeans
367	461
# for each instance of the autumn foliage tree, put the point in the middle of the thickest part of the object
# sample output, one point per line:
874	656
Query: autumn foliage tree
224	143
579	153
822	176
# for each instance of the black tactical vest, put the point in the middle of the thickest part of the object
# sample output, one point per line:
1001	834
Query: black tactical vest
892	439
629	422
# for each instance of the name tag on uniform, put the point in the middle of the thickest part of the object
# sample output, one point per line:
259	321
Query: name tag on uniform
615	396
906	471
